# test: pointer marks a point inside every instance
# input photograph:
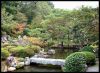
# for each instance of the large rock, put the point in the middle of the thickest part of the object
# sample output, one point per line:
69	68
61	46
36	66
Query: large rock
11	61
11	68
4	38
51	51
27	61
13	64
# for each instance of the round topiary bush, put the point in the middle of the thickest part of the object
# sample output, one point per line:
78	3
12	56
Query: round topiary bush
4	53
87	48
90	58
75	63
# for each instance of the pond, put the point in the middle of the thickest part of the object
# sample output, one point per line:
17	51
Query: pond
60	54
39	68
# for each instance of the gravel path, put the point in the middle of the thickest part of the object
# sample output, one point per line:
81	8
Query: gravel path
94	68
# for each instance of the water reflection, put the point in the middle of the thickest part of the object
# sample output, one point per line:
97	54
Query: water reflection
61	54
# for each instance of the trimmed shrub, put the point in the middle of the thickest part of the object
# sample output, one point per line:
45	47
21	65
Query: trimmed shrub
87	48
8	47
4	54
25	51
75	63
29	52
21	53
90	58
16	49
36	49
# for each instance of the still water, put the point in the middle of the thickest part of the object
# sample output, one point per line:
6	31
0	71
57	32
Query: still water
60	54
38	68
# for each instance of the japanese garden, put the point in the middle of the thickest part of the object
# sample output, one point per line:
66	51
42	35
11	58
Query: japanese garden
37	37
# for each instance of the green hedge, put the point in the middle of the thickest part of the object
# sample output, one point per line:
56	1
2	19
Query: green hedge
90	58
75	63
87	48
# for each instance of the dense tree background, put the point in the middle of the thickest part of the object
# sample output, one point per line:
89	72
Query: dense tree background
52	25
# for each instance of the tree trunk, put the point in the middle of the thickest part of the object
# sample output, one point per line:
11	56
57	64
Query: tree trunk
62	46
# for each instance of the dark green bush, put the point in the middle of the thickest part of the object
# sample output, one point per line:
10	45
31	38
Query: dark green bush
87	48
90	57
26	31
4	53
21	53
75	63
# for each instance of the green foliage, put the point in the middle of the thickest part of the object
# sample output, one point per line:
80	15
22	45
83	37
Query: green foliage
16	50
90	58
36	49
25	51
87	48
75	63
4	53
7	22
21	53
20	18
50	42
44	21
26	31
28	51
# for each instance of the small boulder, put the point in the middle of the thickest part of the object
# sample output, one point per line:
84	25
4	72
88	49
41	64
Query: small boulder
51	51
11	68
20	64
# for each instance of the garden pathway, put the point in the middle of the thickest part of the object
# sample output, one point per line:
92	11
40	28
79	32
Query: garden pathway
94	68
